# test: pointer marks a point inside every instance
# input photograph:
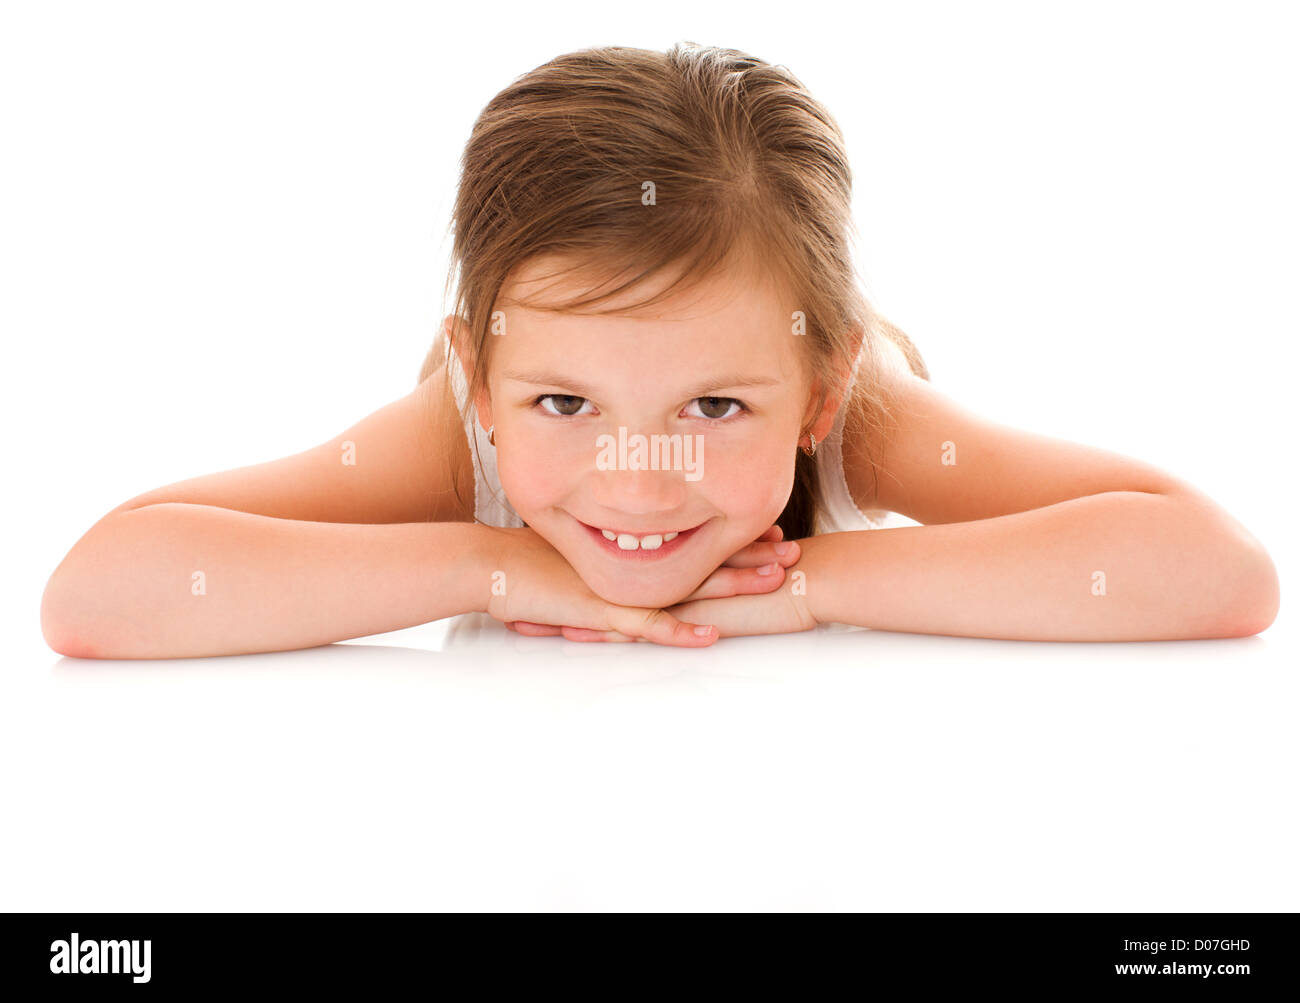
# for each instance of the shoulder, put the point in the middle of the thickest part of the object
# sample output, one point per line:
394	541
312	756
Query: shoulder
443	418
890	381
936	460
404	462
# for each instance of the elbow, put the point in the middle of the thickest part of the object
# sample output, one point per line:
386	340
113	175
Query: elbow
1253	605
54	624
59	623
79	614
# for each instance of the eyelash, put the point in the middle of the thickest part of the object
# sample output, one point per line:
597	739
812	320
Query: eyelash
712	421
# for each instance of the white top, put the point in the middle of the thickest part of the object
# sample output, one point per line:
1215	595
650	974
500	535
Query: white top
838	512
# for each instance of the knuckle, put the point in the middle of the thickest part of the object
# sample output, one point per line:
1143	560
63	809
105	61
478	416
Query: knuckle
652	619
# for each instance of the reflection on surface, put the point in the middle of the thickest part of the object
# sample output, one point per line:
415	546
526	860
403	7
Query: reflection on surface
462	766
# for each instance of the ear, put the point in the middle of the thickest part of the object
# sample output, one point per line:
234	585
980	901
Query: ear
455	330
825	419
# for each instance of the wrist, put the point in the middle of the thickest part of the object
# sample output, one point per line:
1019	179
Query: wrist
485	564
807	581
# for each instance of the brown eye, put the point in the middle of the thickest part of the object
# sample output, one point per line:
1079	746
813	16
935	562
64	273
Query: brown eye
716	407
565	405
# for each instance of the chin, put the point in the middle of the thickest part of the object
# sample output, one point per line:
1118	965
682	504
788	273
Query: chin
648	595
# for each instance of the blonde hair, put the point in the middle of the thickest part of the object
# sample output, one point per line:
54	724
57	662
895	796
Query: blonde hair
745	164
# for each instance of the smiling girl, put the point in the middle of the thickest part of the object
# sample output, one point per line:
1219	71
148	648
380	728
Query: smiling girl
653	248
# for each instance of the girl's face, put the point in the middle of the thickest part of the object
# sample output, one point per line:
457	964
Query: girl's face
716	372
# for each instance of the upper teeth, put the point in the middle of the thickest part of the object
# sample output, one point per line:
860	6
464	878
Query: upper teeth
626	541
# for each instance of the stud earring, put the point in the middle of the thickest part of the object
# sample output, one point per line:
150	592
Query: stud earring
812	447
491	435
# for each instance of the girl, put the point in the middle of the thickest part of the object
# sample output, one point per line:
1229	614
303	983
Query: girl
662	409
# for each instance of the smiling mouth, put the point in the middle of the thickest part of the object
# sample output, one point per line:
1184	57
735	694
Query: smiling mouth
634	546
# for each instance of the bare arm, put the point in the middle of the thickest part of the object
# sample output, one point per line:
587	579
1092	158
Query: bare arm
1032	537
363	534
178	580
1116	566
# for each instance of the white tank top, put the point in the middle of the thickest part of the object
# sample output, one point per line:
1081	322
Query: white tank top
837	513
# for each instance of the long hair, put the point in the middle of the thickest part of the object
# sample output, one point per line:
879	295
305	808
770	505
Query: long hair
745	163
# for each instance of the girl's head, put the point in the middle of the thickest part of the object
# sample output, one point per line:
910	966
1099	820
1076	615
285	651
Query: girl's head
651	244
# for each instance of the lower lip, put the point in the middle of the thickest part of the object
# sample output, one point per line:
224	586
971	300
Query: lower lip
640	554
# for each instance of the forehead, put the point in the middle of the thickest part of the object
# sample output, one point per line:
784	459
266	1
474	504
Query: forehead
738	293
734	323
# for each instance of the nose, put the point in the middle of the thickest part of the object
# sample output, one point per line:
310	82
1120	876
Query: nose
643	473
637	492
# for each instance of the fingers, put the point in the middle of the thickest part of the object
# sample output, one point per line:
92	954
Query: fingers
773	534
532	629
784	553
765	550
727	582
529	629
569	633
588	634
653	625
757	569
621	624
661	627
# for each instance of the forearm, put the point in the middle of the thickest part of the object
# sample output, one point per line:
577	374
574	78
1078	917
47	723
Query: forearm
179	580
1117	566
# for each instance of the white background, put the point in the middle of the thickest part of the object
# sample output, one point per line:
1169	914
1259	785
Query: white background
222	241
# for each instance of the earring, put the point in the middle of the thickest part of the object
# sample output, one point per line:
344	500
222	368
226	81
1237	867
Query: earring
491	435
812	447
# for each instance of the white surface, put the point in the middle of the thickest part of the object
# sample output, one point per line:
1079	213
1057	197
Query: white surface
220	244
834	770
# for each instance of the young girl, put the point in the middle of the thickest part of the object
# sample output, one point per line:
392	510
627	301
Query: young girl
662	409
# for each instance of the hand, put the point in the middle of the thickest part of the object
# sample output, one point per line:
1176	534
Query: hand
737	576
780	611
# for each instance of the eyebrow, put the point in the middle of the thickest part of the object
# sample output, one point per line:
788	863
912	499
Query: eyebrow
551	379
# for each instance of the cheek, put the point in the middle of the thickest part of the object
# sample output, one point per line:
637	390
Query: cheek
534	472
750	483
